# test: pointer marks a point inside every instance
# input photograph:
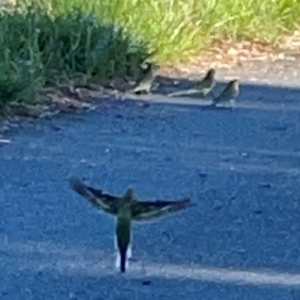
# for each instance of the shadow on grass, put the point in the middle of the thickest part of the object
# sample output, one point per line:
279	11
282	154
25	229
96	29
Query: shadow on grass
40	49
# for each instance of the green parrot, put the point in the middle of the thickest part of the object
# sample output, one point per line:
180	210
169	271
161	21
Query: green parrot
141	210
126	208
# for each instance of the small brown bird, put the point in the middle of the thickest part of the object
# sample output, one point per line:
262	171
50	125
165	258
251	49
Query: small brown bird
207	83
145	79
229	94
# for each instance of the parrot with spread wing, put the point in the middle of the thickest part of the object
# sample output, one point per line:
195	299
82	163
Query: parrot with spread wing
126	208
141	210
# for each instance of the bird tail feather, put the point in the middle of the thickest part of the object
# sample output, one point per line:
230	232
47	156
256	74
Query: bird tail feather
122	262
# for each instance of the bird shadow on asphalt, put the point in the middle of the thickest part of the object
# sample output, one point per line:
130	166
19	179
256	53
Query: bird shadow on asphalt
251	96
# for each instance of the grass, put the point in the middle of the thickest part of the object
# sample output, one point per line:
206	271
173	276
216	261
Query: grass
53	41
39	49
183	27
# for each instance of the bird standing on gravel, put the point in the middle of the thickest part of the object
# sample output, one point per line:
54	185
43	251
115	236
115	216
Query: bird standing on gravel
204	86
127	208
207	83
144	80
229	94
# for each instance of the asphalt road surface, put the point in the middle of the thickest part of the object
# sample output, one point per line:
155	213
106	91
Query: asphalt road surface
241	167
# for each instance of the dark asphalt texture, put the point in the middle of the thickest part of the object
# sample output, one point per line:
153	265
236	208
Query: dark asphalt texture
241	167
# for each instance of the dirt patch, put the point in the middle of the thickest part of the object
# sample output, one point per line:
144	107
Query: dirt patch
228	54
50	103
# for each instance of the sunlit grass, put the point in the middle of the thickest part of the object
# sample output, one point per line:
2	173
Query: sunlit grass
183	27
